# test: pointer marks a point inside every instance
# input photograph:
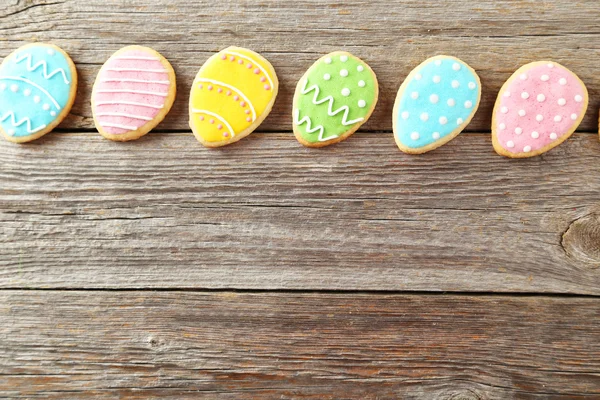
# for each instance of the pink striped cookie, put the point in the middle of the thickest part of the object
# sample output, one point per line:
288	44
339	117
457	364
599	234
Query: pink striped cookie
538	108
133	93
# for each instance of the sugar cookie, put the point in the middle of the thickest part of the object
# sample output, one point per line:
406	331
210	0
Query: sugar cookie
537	109
435	103
133	93
232	94
38	84
333	99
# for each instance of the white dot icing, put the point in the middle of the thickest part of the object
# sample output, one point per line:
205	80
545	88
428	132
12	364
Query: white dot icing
414	95
468	104
455	84
443	120
345	92
36	99
459	121
424	117
46	107
438	62
437	79
434	98
558	118
362	103
504	110
27	92
541	98
510	144
472	85
562	81
327	60
360	68
418	77
523	77
405	115
524	95
435	135
343	58
562	102
456	66
53	113
545	78
327	77
415	136
573	117
50	52
518	131
361	83
451	102
14	88
344	72
535	134
553	136
578	98
539	117
522	113
527	149
507	93
502	126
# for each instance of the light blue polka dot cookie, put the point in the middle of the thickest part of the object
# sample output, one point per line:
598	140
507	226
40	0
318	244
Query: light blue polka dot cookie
435	103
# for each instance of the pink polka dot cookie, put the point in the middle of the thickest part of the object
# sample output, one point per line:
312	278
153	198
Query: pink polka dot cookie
537	109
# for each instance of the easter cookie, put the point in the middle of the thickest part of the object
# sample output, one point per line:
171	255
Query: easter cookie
232	94
133	93
537	109
38	83
333	99
435	103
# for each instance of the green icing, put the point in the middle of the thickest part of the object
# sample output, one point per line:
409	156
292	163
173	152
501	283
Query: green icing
352	102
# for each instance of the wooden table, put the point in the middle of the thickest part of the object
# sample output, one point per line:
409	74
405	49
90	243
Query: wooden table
159	268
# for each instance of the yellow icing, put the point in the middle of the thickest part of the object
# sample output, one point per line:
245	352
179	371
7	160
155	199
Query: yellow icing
218	83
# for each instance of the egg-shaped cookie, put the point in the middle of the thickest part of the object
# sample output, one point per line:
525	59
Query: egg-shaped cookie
538	108
38	84
333	99
232	94
435	103
134	91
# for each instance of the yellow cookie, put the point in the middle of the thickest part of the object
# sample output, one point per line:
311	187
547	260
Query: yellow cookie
232	94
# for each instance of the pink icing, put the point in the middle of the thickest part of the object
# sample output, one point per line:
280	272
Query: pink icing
146	105
532	104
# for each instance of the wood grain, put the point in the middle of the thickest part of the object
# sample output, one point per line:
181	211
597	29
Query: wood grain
184	345
77	211
495	37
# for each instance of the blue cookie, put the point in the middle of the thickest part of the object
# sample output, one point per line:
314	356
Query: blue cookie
38	83
435	103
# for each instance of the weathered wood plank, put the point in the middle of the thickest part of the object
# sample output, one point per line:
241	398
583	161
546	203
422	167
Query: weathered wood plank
79	211
495	37
141	345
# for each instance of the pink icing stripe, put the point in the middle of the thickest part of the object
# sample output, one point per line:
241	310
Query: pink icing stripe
538	107
118	103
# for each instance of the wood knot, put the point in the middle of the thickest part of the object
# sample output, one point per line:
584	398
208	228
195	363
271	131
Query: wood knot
466	395
582	240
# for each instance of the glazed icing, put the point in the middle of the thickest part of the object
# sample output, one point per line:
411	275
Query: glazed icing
130	91
231	91
538	106
336	93
35	85
438	98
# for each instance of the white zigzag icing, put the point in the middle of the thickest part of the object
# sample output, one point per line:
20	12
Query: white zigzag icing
309	128
42	63
16	123
329	99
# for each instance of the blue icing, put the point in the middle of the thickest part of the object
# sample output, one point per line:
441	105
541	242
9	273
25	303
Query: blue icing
35	84
420	118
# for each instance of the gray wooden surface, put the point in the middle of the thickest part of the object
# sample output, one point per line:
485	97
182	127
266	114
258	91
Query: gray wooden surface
160	269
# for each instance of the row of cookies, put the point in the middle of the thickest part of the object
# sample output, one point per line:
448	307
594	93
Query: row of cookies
538	108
